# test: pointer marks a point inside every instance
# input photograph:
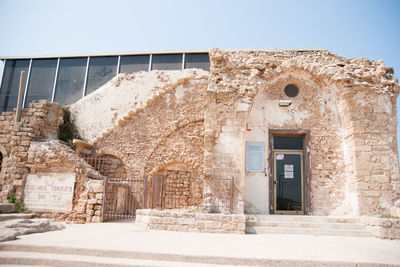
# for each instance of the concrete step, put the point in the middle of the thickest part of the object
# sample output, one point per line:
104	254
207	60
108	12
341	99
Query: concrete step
14	216
302	224
67	260
303	218
29	255
307	231
306	225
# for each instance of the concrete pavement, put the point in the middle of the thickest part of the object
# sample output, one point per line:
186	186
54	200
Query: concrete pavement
128	241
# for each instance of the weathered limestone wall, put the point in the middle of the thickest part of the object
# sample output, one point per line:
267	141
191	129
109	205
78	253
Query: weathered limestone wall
370	138
166	133
383	227
192	222
316	109
124	96
56	157
191	127
29	147
39	121
181	187
347	104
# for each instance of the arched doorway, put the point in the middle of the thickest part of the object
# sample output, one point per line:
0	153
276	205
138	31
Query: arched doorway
175	186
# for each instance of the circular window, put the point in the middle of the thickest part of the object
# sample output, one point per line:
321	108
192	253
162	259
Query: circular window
291	90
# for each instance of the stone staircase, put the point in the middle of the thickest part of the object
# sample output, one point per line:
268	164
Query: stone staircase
305	225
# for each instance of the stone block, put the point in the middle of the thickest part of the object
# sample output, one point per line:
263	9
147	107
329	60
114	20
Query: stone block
97	188
96	219
212	224
7	208
395	211
186	221
199	225
92	201
229	227
90	212
168	220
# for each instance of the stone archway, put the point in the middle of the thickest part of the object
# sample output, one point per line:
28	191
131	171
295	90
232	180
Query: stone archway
174	186
109	166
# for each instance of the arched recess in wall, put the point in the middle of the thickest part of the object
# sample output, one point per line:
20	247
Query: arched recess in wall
184	144
110	166
313	109
174	185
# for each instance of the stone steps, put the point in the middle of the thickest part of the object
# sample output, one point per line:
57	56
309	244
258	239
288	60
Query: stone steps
29	255
15	216
305	225
67	260
303	218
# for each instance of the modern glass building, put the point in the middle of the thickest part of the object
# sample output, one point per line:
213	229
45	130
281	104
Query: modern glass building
66	79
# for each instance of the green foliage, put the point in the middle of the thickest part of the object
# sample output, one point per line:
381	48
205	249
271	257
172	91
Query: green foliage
389	217
67	130
19	205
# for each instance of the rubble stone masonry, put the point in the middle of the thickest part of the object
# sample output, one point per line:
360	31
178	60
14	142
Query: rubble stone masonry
39	121
180	220
348	105
191	127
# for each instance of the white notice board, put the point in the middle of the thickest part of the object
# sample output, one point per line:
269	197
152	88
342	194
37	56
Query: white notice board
254	156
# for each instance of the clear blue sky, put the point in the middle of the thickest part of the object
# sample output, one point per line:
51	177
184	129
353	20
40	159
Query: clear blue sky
349	28
363	28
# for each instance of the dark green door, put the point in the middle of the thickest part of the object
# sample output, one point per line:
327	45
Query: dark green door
288	182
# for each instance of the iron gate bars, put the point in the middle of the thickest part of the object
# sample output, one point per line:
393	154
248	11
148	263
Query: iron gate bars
121	198
156	196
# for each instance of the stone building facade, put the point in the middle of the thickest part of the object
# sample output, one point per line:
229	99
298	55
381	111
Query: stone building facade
261	132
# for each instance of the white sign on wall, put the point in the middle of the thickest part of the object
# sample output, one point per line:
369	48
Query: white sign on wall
49	191
254	156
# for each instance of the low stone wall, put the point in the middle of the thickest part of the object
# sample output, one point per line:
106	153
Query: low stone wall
383	228
191	222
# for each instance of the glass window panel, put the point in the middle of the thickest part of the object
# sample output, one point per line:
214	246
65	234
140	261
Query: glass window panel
288	142
101	70
10	84
130	64
167	62
41	80
197	61
70	80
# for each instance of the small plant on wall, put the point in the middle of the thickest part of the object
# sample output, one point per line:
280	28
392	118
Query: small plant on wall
19	205
67	130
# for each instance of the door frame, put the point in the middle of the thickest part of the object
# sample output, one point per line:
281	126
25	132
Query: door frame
290	152
306	165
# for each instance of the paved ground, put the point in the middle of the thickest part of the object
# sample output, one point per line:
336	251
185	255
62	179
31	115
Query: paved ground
127	237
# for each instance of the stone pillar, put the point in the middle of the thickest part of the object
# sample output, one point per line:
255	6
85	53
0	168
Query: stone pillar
370	148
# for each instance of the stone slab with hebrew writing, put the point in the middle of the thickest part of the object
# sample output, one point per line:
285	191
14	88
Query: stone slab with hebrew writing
49	191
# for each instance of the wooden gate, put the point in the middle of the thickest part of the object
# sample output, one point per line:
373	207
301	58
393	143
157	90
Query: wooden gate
121	198
161	193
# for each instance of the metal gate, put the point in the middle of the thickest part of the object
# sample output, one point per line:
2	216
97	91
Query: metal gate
121	198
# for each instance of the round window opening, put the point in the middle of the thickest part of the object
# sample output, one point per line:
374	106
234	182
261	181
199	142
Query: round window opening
291	90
